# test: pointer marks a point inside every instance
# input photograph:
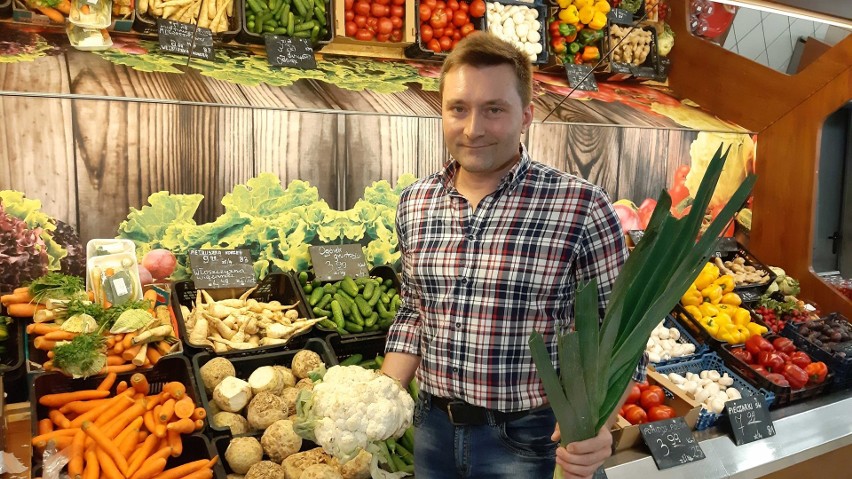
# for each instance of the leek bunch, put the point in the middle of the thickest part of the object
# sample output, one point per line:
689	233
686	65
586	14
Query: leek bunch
597	360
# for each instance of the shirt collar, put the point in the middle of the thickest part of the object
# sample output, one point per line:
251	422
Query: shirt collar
510	180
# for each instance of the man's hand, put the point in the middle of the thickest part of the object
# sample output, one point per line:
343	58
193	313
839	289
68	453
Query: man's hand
580	460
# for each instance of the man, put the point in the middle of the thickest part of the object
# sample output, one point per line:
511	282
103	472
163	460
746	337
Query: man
493	247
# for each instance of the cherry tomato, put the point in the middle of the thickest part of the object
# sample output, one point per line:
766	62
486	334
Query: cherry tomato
467	29
379	10
658	413
362	8
347	5
651	398
434	45
351	29
364	35
349	15
396	36
460	18
437	32
396	11
439	18
425	12
385	26
360	21
383	37
426	33
477	8
633	397
446	43
635	414
397	22
453	5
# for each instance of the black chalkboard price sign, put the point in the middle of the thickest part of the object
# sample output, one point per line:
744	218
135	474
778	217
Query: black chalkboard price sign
749	418
580	77
333	262
284	51
671	442
183	38
221	268
620	17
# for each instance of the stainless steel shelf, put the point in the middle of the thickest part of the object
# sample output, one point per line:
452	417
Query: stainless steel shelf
803	431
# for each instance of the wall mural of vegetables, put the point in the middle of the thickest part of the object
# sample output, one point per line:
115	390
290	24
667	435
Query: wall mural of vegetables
275	223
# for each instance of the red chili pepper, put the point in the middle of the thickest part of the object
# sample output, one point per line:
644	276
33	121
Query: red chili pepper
816	372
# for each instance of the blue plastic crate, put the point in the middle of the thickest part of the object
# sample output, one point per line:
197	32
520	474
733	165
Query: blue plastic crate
707	418
685	337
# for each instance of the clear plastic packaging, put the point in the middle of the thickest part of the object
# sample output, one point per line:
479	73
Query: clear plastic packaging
114	279
91	13
88	39
108	246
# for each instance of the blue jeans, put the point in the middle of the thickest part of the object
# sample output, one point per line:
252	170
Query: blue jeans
520	449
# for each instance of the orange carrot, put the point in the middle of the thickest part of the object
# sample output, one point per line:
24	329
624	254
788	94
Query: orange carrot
200	474
128	438
107	383
108	468
80	407
131	352
175	389
160	430
60	335
141	454
47	365
51	354
157	399
93	469
91	295
110	342
45	426
41	439
185	407
115	360
153	355
127	342
199	424
104	412
119	368
23	310
122	386
105	443
118	348
164	348
75	464
21	289
199	413
59	419
58	399
122	420
167	410
43	344
16	298
36	329
140	383
183	426
150	469
175	443
182	470
141	436
151	296
64	6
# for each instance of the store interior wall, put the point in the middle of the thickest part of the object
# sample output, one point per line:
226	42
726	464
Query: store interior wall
833	164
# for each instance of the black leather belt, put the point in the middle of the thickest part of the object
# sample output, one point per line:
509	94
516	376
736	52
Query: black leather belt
464	414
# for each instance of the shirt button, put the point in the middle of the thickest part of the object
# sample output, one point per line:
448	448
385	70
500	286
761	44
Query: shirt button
455	370
471	237
458	325
464	281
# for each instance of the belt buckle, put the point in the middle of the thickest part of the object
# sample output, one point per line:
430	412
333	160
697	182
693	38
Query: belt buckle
450	412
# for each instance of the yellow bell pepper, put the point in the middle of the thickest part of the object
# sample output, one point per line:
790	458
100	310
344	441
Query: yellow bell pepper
692	298
712	294
756	329
582	3
587	12
708	274
563	3
727	337
694	311
732	298
710	325
744	334
602	6
570	15
598	21
726	282
724	320
708	309
742	317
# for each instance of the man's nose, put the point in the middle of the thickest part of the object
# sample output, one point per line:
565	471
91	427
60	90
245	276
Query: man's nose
474	126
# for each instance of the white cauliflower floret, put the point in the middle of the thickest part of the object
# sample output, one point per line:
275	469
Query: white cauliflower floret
354	407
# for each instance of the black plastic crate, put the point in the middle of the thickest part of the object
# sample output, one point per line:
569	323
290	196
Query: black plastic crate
384	272
5	9
220	445
12	359
368	347
694	327
245	36
277	286
783	395
541	59
418	49
245	365
144	22
749	293
840	368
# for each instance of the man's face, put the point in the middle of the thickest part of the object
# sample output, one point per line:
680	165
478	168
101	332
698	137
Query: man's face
483	118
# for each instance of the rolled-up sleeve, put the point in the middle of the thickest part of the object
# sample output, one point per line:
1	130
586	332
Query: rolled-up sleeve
404	333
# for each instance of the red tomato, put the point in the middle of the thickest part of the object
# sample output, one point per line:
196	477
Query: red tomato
446	43
429	3
654	387
633	396
396	11
383	37
658	413
379	10
397	2
364	35
425	33
463	6
362	8
396	22
360	21
453	5
651	398
425	12
460	18
457	36
635	414
351	29
437	32
440	4
372	24
434	45
349	15
455	42
439	18
467	29
396	36
477	8
385	26
347	5
382	2
449	30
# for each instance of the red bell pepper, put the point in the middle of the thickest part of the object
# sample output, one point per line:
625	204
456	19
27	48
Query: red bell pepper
817	372
771	361
800	358
755	344
778	380
783	345
796	376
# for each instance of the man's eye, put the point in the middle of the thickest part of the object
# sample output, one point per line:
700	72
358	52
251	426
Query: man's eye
458	109
495	110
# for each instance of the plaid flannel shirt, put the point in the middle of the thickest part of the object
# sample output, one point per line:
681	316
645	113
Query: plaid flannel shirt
476	283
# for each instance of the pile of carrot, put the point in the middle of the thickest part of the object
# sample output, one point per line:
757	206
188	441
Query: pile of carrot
127	436
20	303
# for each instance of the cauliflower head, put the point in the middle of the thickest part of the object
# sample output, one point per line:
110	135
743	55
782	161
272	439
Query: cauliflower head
353	407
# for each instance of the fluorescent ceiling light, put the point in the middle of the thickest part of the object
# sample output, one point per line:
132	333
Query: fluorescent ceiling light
786	10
